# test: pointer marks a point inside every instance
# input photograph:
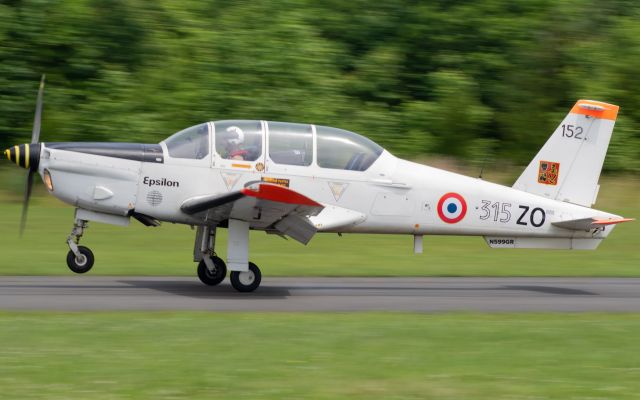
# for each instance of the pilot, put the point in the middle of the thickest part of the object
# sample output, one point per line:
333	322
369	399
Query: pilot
234	144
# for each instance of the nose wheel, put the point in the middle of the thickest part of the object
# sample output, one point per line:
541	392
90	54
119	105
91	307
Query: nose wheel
246	281
79	258
82	262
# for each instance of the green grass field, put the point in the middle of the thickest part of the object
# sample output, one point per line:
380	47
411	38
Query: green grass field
167	250
319	356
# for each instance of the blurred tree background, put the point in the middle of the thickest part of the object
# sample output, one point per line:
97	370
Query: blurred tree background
470	79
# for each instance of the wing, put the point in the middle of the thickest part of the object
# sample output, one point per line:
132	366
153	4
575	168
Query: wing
273	208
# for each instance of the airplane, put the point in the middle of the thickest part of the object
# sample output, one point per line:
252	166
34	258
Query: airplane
296	180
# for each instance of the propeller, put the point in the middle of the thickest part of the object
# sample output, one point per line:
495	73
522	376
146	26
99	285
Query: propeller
35	133
35	137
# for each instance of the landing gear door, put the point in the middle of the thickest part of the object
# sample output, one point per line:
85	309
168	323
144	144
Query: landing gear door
239	151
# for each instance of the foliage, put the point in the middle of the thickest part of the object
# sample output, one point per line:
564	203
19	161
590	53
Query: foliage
452	78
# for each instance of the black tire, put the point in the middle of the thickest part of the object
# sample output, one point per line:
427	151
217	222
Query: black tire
246	281
82	265
218	275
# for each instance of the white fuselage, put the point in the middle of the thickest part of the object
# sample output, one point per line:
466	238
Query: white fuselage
392	196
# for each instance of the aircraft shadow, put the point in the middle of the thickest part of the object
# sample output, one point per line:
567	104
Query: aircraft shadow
410	290
551	290
198	290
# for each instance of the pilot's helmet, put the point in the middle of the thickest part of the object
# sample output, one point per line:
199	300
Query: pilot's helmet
234	135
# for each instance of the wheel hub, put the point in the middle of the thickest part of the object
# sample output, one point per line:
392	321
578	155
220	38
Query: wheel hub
246	277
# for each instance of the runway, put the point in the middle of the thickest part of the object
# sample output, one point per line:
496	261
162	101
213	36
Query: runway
95	293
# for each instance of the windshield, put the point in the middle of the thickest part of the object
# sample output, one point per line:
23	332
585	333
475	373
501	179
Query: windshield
340	149
191	143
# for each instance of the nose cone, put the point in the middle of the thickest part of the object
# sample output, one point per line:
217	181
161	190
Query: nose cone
25	155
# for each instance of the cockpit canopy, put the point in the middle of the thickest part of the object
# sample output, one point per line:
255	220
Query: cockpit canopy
286	143
340	149
238	139
191	143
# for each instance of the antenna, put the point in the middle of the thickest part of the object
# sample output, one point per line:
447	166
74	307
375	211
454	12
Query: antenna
488	151
484	161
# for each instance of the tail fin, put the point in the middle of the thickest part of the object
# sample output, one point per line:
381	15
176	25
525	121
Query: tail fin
568	166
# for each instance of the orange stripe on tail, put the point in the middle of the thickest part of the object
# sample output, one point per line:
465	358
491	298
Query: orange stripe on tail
596	109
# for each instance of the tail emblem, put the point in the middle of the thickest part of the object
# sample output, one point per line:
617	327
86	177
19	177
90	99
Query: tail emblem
548	173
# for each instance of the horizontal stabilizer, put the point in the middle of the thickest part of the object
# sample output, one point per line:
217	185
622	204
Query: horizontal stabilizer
587	224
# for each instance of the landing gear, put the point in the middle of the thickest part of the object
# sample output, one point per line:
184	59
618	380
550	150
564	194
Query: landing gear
211	269
215	276
246	281
245	276
79	259
80	263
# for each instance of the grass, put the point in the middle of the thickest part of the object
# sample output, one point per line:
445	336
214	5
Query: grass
326	356
167	250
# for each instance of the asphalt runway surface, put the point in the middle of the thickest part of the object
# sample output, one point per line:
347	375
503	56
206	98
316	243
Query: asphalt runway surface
95	293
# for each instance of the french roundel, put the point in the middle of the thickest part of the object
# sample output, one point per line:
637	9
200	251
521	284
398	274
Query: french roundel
452	208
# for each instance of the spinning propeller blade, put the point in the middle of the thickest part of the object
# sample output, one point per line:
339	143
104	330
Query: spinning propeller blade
35	134
35	137
25	202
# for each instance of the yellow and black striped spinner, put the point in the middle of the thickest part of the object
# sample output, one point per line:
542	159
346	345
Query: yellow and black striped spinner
25	155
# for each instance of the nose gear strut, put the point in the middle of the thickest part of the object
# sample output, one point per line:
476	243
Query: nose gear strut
80	259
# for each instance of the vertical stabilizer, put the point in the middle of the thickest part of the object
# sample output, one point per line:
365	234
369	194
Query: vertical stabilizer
568	166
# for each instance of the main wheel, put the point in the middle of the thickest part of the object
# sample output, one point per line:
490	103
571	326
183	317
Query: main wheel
212	278
246	281
81	264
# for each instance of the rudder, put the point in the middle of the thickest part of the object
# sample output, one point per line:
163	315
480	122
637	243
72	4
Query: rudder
568	166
